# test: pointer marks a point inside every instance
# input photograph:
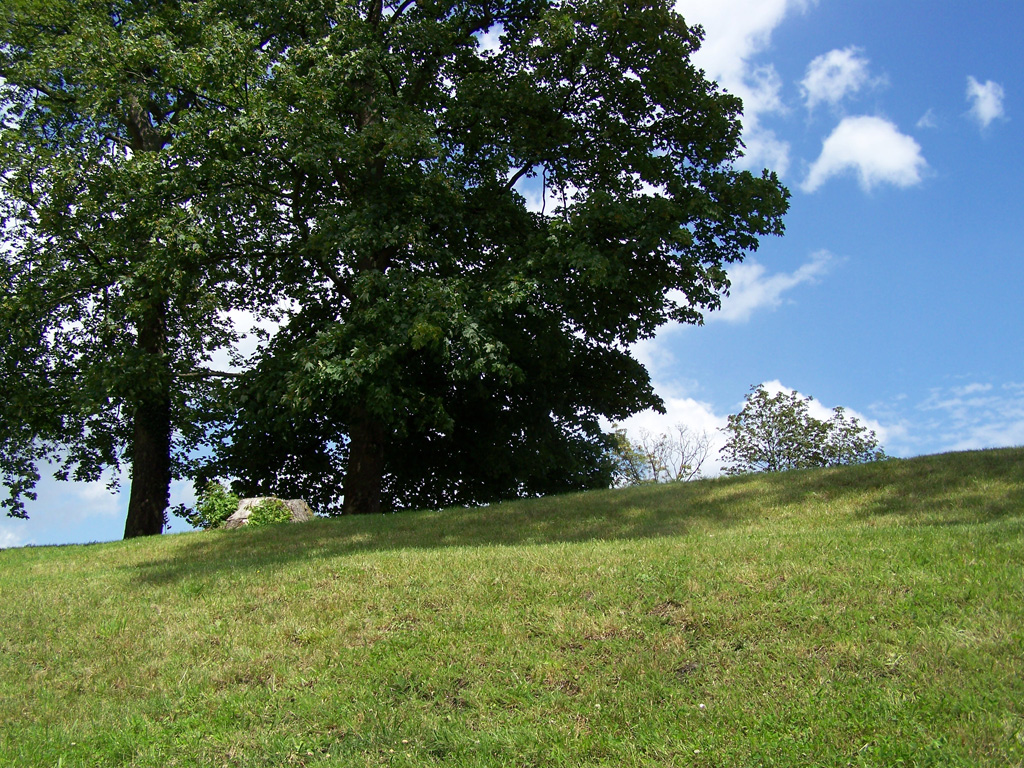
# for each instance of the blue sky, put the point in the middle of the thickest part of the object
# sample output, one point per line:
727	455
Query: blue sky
896	291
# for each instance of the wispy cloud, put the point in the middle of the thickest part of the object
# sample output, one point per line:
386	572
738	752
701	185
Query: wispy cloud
489	41
81	512
874	149
927	120
253	331
754	287
833	76
974	416
986	101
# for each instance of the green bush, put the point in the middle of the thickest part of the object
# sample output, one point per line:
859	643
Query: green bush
215	505
269	512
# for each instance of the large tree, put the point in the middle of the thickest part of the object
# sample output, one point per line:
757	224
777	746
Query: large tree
126	178
167	162
454	342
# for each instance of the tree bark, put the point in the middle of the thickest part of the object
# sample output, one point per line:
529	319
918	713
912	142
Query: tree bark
151	440
365	476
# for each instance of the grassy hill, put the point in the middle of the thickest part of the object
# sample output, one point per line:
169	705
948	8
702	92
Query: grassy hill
871	615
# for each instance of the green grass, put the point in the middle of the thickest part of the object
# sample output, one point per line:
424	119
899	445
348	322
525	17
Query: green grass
864	616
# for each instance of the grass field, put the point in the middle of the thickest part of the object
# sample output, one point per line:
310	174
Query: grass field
865	616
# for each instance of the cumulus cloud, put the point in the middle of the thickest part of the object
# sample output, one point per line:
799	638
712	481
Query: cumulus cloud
833	76
700	418
754	288
823	412
986	101
695	415
735	32
874	149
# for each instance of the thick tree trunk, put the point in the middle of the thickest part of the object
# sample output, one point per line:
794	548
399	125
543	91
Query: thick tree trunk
151	468
365	475
151	441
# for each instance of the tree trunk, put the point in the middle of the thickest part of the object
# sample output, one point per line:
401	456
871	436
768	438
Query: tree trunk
365	475
151	442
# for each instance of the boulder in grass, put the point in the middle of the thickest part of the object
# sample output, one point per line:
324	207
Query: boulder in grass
301	513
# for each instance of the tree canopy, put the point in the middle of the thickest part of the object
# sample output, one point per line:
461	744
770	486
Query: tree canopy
774	433
126	200
362	162
442	300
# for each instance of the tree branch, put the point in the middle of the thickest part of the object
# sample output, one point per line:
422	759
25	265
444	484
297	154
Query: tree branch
206	373
519	174
395	16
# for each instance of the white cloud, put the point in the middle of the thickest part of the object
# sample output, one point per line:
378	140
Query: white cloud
490	40
251	330
736	31
10	537
872	147
754	288
655	354
763	148
833	76
700	417
971	389
822	412
986	101
543	198
80	512
697	416
974	416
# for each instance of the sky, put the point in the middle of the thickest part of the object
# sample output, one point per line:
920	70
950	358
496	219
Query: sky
896	290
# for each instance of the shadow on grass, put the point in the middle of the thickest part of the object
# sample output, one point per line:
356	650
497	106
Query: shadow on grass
627	514
948	489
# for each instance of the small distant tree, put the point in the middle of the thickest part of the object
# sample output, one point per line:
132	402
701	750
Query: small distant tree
774	433
673	456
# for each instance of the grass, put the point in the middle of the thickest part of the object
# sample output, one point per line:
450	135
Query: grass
864	616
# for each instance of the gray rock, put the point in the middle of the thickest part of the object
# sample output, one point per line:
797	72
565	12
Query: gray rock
301	513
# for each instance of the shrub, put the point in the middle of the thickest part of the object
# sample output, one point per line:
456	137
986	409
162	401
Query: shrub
215	505
269	512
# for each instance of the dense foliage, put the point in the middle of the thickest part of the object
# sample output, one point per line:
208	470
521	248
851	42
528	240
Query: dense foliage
269	511
456	344
127	206
774	433
214	505
165	165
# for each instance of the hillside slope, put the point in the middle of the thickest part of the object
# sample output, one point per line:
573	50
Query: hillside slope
855	616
